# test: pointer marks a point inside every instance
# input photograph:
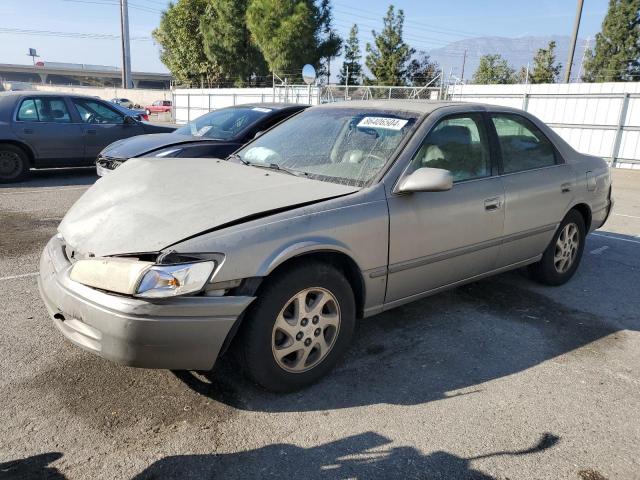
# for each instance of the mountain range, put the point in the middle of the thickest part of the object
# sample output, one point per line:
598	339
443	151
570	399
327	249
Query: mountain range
517	51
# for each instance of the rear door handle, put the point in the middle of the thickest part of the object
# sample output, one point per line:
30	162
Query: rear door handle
491	204
565	187
28	131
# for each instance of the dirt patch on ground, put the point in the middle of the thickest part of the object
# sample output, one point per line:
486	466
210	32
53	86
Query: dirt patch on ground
23	233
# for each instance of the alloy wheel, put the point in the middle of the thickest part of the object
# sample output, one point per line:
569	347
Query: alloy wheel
566	247
305	330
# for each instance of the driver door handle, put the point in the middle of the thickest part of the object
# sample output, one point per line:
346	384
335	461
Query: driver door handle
491	204
91	132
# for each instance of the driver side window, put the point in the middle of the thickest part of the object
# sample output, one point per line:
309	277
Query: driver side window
458	144
96	112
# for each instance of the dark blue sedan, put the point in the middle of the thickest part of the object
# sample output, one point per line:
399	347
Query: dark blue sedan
215	134
45	130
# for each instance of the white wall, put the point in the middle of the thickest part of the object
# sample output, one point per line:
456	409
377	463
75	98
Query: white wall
586	115
141	96
190	103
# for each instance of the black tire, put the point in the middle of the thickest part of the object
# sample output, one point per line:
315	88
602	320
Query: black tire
14	163
546	270
258	334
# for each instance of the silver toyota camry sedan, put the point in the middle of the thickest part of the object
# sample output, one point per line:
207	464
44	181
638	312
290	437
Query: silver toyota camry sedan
337	214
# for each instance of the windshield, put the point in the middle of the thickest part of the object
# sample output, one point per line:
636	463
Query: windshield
224	124
341	145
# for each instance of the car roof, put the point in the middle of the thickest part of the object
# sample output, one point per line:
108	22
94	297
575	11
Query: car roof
407	105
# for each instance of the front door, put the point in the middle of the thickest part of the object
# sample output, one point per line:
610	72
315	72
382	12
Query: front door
44	123
439	238
102	125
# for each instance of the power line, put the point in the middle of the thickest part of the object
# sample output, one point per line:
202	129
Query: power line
49	33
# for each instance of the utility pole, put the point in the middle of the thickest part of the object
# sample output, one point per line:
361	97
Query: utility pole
574	38
126	50
464	60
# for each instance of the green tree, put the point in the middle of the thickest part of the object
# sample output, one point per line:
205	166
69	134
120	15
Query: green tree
228	43
388	58
616	57
421	70
351	70
181	43
493	69
292	33
545	69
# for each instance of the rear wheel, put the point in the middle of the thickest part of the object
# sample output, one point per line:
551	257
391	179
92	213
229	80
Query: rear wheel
298	327
14	163
562	257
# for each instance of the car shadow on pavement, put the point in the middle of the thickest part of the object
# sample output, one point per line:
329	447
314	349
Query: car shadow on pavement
32	468
364	456
437	348
56	177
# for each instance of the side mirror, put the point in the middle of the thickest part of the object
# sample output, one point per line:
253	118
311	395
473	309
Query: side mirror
129	120
427	180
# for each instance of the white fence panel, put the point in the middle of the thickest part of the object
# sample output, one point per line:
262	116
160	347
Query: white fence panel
596	118
190	103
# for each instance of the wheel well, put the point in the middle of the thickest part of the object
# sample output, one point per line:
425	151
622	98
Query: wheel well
22	147
342	262
584	210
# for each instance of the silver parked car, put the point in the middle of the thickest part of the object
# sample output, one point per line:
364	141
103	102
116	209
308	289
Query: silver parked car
339	213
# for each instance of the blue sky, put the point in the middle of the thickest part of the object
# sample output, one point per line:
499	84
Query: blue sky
429	24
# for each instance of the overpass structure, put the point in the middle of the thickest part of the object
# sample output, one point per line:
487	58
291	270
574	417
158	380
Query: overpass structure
57	73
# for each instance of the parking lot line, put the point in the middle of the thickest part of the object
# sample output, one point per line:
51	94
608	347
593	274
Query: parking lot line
24	275
615	238
625	215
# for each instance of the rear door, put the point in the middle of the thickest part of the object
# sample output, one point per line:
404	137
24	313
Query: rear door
439	238
538	187
102	125
46	125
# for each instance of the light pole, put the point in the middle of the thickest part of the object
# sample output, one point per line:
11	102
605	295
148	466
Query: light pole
574	38
126	50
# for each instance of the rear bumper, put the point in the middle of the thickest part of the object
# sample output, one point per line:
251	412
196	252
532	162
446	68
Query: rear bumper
177	333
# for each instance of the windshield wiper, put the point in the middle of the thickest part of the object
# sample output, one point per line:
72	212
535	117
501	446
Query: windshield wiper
238	158
272	166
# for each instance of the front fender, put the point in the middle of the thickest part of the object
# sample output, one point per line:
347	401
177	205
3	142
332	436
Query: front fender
301	247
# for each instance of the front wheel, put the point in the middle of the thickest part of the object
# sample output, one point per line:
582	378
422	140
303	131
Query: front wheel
298	327
562	257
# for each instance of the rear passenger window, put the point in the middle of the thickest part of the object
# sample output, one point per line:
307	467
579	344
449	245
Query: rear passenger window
45	109
458	144
27	111
523	145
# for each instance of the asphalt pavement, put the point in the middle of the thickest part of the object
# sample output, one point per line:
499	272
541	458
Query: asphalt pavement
499	379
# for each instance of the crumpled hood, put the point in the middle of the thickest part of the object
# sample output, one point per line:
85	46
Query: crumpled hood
148	204
143	144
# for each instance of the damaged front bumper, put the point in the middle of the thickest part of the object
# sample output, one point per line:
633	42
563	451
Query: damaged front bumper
178	333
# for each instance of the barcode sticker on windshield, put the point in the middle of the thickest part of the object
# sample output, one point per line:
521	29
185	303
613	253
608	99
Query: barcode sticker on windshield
261	109
383	122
